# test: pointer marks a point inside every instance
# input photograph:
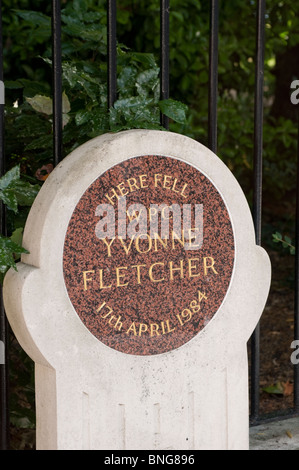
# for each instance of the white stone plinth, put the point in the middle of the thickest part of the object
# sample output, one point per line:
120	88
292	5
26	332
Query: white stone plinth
89	396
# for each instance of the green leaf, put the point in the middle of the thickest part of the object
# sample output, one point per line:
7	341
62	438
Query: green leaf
66	106
14	191
41	104
43	142
17	237
174	110
8	250
82	117
276	389
13	85
9	177
44	104
25	192
277	237
34	18
8	197
144	58
6	184
288	240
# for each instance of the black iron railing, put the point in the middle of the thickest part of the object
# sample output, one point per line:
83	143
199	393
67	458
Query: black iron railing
212	142
4	399
257	188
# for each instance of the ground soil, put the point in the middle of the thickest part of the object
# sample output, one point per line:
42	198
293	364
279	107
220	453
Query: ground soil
276	336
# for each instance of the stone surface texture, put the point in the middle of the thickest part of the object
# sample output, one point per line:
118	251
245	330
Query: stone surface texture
145	314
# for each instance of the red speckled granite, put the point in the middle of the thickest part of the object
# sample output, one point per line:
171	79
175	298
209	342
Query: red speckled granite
144	297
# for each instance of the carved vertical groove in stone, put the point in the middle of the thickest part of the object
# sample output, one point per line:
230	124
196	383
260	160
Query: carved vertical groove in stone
85	422
122	425
191	420
157	424
227	442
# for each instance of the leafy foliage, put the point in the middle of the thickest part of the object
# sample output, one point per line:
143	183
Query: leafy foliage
285	241
14	193
85	113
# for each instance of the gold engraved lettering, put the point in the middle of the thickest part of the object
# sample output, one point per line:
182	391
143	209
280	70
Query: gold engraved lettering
192	267
101	281
154	329
122	190
119	276
157	175
201	296
166	328
142	328
132	184
180	269
132	329
152	212
182	192
209	266
101	306
114	196
127	249
149	243
110	310
138	266
134	216
192	237
164	242
185	316
174	185
180	240
150	273
108	245
166	181
118	325
86	279
142	179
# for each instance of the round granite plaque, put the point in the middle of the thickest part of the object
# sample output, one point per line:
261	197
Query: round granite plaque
148	255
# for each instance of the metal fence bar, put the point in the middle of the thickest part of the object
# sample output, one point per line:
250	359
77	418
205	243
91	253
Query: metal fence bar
4	412
164	56
213	79
296	310
257	189
57	80
112	52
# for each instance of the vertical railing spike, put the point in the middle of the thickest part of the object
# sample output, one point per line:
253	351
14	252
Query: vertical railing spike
4	381
164	56
296	306
57	81
213	78
257	189
112	52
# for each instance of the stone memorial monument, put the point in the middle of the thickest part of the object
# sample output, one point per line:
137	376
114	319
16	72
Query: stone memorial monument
142	286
